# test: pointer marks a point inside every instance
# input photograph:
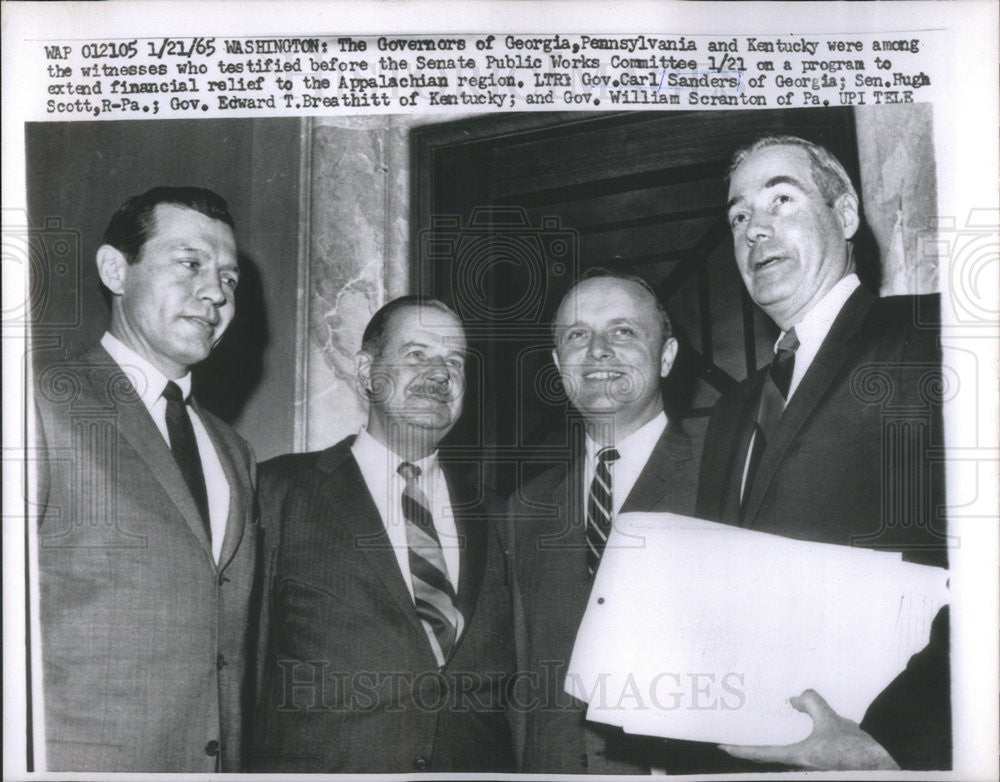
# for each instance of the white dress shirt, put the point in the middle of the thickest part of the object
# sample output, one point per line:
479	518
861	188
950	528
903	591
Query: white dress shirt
149	384
815	325
379	467
634	451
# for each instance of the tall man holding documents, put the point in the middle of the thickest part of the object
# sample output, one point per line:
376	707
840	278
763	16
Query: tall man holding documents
146	538
807	448
613	344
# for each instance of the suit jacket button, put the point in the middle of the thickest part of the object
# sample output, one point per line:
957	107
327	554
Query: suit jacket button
212	748
220	662
223	580
420	763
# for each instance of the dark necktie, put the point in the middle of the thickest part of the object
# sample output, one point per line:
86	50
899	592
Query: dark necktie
772	402
433	593
600	507
185	449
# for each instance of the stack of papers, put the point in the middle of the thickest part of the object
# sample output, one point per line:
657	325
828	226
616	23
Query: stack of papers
702	631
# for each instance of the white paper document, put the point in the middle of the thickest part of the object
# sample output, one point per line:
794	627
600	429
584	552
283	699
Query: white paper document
702	631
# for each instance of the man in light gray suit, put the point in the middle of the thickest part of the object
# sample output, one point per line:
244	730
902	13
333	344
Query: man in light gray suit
146	533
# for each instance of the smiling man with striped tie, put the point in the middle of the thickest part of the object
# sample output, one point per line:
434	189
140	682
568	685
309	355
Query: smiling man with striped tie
390	623
613	344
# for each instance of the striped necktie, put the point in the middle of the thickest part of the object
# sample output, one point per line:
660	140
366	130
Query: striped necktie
600	507
433	593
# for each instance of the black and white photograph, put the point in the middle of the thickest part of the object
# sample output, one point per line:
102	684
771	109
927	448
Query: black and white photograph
521	434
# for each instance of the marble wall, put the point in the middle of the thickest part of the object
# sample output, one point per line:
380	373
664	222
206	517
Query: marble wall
354	257
899	192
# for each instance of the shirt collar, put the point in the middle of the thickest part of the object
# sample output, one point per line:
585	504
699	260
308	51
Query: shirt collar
816	323
379	456
147	380
647	434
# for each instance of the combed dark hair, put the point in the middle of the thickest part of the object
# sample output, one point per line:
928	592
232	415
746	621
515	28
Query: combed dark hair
596	272
828	173
373	340
131	226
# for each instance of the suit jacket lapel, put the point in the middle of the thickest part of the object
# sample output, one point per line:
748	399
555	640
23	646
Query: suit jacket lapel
240	490
472	525
347	498
655	481
733	487
136	426
567	528
815	384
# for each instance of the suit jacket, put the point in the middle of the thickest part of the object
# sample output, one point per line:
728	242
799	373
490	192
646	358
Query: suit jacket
143	635
855	459
350	683
852	458
547	523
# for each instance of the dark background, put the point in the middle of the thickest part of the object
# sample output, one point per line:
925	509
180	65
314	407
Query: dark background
509	210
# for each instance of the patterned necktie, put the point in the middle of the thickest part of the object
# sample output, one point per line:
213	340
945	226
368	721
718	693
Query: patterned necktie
772	401
433	593
600	507
185	449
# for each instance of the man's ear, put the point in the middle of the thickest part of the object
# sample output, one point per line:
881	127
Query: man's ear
846	207
667	356
112	268
555	358
363	364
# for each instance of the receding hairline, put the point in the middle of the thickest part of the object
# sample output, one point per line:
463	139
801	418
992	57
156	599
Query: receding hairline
649	296
376	344
157	211
618	280
130	226
828	173
779	179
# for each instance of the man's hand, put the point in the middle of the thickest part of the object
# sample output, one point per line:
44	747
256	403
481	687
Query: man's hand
835	744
